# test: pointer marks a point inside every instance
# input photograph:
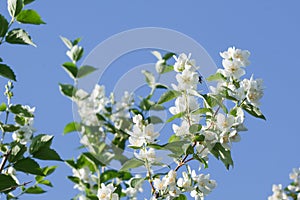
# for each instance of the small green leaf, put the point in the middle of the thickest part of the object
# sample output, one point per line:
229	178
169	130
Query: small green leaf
199	138
150	79
18	109
9	128
180	197
176	147
195	128
132	163
20	120
174	138
34	190
46	182
67	90
253	111
30	17
168	96
7	183
7	72
221	153
67	42
201	160
74	179
75	53
155	120
3	26
72	127
188	149
28	1
202	111
3	107
216	77
19	36
48	170
161	86
111	174
14	7
85	161
169	55
85	70
135	182
71	69
167	68
178	115
28	165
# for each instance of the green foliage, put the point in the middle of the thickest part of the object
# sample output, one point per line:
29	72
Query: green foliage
67	90
19	36
7	72
168	96
30	17
3	26
7	183
221	153
132	163
71	127
85	70
28	165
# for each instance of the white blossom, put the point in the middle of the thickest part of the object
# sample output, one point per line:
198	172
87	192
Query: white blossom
278	193
148	155
24	133
105	192
185	182
254	89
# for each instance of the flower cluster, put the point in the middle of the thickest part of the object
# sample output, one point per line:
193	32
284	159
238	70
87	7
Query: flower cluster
292	190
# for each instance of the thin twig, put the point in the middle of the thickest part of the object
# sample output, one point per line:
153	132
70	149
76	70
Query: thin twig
15	186
4	160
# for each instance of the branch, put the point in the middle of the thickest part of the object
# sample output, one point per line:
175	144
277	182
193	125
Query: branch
14	187
183	161
4	160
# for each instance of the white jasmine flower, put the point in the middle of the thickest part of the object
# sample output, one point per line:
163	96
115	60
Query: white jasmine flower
159	184
233	68
225	123
148	155
278	193
105	192
187	79
182	130
24	133
185	182
160	61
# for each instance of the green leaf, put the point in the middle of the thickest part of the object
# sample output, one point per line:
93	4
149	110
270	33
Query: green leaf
20	120
180	197
155	120
7	72
178	115
221	153
167	68
7	183
18	109
14	7
39	142
48	170
76	41
201	160
3	26
111	174
93	159
202	111
34	190
28	1
253	111
29	166
174	138
85	161
74	179
157	107
46	153
132	163
188	149
17	152
46	182
19	36
71	69
135	182
169	55
199	138
9	128
176	147
161	86
67	90
72	127
75	53
216	77
150	79
67	42
195	128
30	17
168	96
3	107
85	70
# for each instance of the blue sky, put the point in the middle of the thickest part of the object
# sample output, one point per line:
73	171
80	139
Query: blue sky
269	29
